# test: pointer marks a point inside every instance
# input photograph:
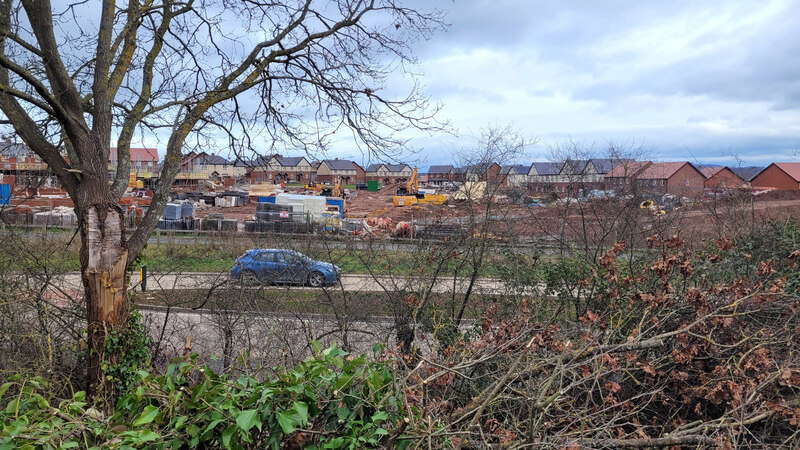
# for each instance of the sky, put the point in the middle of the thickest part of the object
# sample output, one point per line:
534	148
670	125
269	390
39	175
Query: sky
709	81
705	81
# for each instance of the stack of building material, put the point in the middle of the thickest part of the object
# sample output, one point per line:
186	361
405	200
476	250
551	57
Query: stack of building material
177	216
17	215
267	217
61	216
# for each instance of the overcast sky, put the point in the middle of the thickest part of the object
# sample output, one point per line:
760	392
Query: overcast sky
691	80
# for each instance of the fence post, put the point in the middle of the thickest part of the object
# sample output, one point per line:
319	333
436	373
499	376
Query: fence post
143	277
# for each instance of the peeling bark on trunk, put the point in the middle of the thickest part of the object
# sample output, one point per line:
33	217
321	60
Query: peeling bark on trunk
103	261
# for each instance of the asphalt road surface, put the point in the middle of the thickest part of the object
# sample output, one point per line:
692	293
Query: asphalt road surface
349	283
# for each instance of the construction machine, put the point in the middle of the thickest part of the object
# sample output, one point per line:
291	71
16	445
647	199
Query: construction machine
409	194
313	186
337	187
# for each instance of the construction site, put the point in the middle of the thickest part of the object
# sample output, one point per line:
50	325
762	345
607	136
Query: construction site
398	209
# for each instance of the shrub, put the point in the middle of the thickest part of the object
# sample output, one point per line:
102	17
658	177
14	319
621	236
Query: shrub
333	400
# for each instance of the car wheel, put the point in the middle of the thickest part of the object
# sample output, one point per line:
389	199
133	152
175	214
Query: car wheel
316	279
249	278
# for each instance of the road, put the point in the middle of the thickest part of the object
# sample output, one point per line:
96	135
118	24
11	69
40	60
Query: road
349	283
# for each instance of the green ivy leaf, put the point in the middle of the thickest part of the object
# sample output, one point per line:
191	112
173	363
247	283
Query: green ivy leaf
147	416
148	435
4	388
342	412
288	421
380	415
181	420
302	411
247	419
227	435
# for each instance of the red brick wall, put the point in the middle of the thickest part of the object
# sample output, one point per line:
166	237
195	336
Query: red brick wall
725	178
676	184
776	178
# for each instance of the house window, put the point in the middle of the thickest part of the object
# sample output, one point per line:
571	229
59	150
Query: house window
662	182
687	182
654	182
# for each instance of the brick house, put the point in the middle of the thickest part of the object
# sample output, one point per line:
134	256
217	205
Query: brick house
347	171
543	177
440	174
18	162
721	177
680	178
578	176
142	160
487	171
207	166
389	173
780	175
516	175
623	176
281	169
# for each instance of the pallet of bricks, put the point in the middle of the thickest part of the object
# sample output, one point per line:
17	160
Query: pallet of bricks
177	216
275	218
218	222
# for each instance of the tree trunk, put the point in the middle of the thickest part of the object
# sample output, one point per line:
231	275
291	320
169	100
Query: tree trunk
103	262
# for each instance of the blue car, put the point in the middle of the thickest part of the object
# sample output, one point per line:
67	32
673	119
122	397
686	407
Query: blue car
271	266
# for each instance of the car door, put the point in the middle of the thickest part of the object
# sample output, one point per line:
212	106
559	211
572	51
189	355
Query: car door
270	268
283	273
296	266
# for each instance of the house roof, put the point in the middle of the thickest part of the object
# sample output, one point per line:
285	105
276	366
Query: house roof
517	169
479	168
212	160
606	165
340	164
440	169
373	167
547	168
289	161
396	167
577	165
628	169
791	168
710	171
137	154
662	170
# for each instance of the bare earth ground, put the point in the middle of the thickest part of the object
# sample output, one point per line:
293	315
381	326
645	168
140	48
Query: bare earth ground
702	220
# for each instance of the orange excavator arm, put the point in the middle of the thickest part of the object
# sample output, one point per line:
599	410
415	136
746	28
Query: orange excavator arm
413	183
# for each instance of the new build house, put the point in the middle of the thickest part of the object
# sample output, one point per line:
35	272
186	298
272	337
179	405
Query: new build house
281	169
347	171
721	177
389	173
144	161
208	166
576	176
516	175
441	174
780	175
680	178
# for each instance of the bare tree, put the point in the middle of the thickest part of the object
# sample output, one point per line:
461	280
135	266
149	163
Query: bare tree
68	85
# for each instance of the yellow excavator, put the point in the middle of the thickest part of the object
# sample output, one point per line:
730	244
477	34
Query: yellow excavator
410	195
337	187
